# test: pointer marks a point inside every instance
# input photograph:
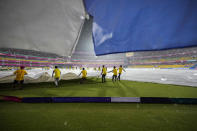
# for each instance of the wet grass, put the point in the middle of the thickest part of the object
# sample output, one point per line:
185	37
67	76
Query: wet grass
97	117
93	87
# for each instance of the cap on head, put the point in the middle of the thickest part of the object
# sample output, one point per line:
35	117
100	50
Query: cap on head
55	66
83	68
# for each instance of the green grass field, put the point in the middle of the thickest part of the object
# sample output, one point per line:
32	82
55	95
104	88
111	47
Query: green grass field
98	116
94	88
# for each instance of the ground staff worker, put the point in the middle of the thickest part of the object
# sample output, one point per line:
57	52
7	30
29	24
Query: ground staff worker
104	73
19	76
57	75
84	75
120	71
114	77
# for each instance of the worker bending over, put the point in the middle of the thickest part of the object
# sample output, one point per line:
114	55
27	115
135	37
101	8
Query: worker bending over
19	77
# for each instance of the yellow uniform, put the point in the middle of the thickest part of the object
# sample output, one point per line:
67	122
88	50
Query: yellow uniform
115	72
104	71
20	74
57	73
120	70
84	73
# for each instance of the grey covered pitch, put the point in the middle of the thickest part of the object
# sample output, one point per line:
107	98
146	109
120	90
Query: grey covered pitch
41	25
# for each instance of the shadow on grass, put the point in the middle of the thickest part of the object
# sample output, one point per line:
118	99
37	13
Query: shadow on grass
62	83
133	90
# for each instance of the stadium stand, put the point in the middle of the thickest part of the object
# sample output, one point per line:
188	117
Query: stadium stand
176	58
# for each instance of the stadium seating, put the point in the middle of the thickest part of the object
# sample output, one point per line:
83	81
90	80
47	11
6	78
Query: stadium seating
176	58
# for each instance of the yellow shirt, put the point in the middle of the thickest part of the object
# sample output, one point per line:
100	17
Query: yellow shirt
20	74
57	73
84	73
115	72
120	70
104	71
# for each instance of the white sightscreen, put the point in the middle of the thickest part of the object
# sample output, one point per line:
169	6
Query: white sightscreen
42	25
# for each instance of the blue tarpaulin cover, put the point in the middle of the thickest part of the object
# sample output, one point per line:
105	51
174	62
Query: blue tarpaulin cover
141	25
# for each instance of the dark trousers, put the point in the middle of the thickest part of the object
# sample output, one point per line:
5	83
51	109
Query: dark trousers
16	82
114	78
119	76
103	78
82	80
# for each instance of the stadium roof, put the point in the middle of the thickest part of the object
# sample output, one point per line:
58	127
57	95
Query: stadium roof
55	26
